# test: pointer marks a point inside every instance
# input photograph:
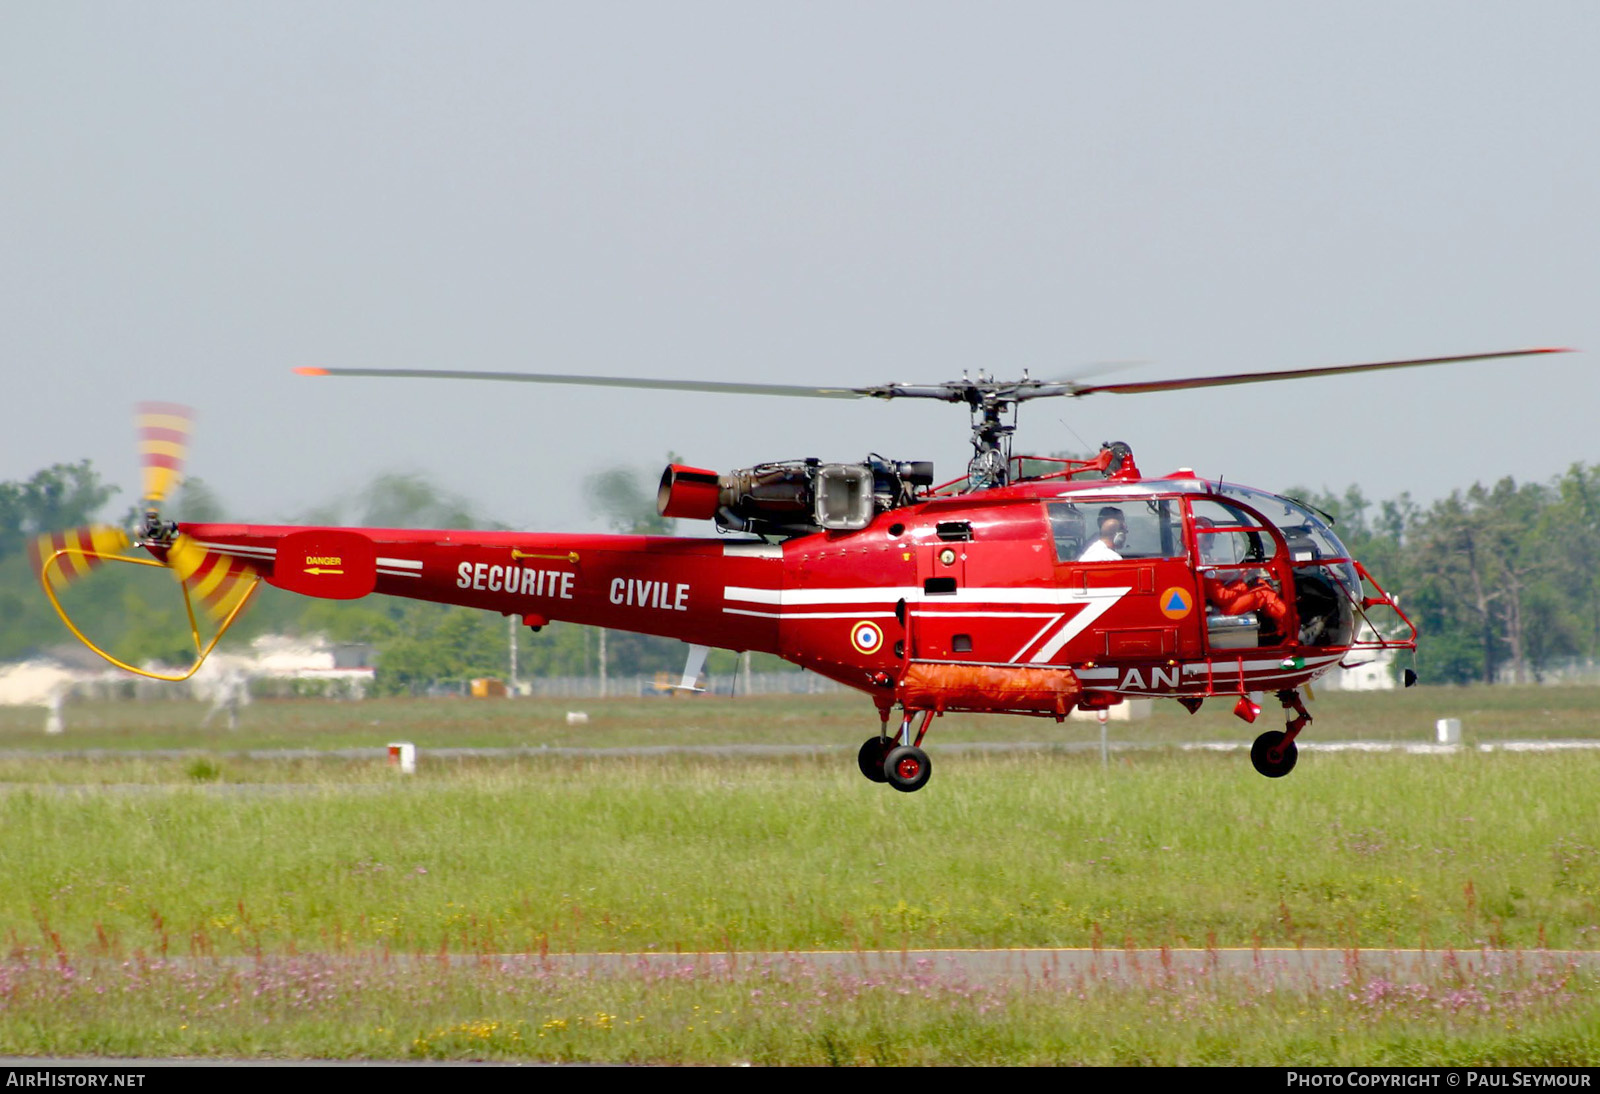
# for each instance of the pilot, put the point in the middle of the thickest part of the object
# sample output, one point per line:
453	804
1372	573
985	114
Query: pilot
1113	535
1233	591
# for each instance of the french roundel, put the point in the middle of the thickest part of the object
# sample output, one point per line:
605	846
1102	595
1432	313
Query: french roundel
1176	603
866	637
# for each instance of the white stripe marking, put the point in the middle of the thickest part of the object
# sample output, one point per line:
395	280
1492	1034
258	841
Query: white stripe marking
911	594
1096	602
1257	666
238	549
1026	646
925	614
808	615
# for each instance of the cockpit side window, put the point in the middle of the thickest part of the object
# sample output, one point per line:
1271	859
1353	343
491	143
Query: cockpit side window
1153	527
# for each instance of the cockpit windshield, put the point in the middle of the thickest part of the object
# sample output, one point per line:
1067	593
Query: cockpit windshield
1310	538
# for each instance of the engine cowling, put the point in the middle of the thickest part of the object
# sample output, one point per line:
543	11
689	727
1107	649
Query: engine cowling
792	497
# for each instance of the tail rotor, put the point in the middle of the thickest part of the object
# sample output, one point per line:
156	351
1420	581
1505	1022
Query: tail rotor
222	584
164	430
61	558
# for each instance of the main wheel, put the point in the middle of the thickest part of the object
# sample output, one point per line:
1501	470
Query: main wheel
870	758
907	768
1273	757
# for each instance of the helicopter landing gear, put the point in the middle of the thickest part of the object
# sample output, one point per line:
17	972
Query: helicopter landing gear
907	768
1274	753
898	760
870	759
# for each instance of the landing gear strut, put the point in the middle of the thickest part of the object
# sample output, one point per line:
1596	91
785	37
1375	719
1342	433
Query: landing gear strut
898	760
1274	753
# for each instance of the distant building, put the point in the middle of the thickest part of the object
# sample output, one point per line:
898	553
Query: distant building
276	666
280	665
1374	673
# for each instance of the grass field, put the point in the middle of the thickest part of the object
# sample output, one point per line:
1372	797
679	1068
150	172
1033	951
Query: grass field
785	1010
207	902
841	719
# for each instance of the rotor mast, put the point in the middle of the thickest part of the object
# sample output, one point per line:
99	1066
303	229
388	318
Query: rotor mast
991	435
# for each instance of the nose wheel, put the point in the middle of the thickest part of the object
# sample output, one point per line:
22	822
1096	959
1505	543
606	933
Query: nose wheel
1274	753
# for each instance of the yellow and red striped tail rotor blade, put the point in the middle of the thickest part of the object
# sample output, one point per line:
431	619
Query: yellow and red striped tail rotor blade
220	582
80	549
163	443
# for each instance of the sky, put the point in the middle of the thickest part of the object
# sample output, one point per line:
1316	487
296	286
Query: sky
196	198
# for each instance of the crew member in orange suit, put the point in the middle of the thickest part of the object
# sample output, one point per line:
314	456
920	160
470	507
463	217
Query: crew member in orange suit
1240	594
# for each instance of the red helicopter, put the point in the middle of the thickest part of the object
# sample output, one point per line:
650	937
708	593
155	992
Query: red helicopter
999	592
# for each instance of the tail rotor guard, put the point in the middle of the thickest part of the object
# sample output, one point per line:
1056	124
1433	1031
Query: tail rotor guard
222	584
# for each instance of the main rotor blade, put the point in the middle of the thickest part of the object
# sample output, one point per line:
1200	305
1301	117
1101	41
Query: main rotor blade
712	386
1143	387
973	392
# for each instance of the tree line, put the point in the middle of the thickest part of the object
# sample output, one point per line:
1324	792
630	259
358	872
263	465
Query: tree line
1503	581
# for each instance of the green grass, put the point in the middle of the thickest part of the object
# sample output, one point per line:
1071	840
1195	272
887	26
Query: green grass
145	899
842	719
772	854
